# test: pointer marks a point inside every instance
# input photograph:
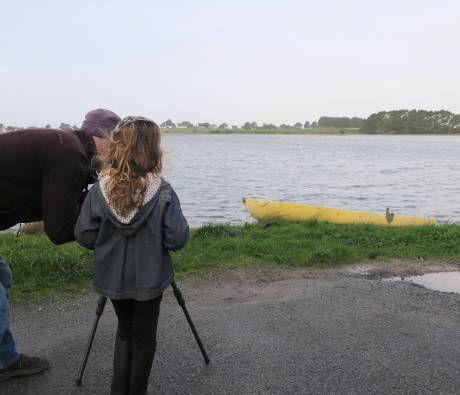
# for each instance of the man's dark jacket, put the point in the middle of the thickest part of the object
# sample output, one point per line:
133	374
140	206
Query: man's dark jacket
43	173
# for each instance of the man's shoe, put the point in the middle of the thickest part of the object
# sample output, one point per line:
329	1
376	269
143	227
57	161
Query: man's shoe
24	366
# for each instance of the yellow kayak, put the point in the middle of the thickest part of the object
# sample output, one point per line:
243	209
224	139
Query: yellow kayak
264	210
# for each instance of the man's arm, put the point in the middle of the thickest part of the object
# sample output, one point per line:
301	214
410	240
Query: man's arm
62	193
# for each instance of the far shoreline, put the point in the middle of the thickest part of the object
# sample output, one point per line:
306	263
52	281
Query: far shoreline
313	131
322	131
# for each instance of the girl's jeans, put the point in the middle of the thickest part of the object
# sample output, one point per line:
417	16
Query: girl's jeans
8	351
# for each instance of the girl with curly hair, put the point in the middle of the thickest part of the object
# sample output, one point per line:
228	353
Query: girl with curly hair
132	218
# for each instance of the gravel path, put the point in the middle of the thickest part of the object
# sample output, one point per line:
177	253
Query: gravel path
267	331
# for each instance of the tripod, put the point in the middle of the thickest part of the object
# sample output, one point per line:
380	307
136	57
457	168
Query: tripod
100	309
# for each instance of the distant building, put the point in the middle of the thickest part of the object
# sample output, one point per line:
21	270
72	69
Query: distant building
168	124
185	124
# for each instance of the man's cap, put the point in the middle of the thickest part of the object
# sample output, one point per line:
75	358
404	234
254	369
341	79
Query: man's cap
100	122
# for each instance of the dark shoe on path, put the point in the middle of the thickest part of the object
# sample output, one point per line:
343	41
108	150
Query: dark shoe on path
24	366
141	364
121	367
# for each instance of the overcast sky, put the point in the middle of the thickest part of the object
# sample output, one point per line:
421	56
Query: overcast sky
233	61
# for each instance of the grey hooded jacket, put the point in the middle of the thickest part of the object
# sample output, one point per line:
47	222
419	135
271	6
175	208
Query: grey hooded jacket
132	260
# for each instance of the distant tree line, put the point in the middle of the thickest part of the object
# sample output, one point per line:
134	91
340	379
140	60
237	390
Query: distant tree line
412	122
62	126
336	122
385	122
249	125
340	122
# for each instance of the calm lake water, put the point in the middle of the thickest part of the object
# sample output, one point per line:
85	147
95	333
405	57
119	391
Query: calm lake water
413	175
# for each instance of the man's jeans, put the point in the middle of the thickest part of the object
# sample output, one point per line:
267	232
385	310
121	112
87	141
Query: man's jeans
8	351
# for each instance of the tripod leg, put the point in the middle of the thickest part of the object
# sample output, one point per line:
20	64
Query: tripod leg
180	300
99	310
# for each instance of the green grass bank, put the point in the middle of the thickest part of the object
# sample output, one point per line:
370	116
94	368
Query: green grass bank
42	269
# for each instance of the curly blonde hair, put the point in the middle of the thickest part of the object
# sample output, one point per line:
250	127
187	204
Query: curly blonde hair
132	152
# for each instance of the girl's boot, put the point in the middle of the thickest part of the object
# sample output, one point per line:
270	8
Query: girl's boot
121	367
141	364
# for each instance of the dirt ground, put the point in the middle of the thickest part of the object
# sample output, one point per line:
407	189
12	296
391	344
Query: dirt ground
267	331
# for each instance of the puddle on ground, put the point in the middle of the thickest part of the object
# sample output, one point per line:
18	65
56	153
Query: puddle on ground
358	270
442	281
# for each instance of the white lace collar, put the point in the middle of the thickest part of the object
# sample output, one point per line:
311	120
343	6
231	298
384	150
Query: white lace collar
153	183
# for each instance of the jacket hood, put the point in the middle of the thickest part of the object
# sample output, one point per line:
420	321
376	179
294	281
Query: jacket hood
144	213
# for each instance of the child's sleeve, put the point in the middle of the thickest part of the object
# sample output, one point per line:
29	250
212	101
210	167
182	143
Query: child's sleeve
175	226
87	227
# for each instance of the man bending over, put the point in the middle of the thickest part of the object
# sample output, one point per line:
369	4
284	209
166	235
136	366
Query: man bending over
44	174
